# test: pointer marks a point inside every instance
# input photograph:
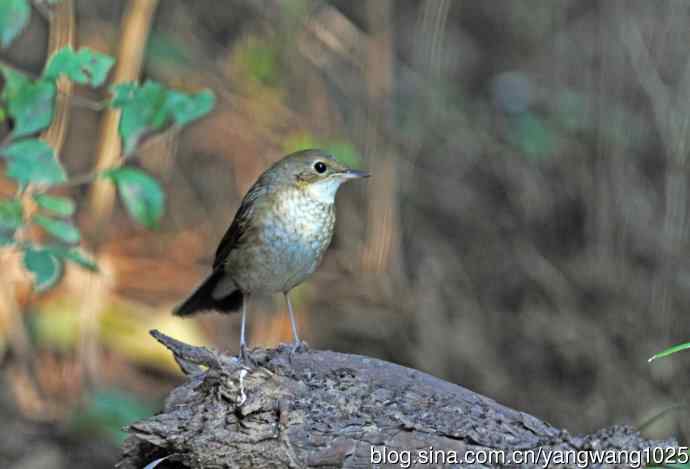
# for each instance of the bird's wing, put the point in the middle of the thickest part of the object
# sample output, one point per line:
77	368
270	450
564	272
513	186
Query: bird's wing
241	224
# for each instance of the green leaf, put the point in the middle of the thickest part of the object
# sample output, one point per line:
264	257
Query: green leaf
73	254
11	218
14	14
60	206
152	106
33	161
30	103
10	214
61	229
45	267
85	66
670	351
143	110
186	108
143	197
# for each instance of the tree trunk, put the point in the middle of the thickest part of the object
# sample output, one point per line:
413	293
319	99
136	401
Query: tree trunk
326	409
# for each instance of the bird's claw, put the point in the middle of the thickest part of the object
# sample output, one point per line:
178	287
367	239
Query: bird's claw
245	356
298	346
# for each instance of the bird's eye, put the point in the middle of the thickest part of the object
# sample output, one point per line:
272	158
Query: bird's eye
319	167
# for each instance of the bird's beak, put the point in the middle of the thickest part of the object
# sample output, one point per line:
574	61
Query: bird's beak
354	174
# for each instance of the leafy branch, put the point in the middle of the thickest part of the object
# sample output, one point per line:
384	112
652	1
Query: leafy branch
28	103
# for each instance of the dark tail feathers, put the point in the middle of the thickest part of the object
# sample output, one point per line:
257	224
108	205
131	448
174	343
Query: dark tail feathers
202	299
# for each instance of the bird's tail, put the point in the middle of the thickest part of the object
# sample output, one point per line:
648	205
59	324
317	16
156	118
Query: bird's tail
203	298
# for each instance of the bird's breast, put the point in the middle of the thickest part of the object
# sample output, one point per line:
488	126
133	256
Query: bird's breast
299	224
293	234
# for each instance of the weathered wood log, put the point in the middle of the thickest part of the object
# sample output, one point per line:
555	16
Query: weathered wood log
326	409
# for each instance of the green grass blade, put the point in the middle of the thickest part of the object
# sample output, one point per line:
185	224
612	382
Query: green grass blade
670	351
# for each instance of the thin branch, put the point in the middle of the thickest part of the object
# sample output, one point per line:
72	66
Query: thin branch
80	179
136	24
87	103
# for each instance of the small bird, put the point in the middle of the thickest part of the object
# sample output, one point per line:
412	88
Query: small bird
277	238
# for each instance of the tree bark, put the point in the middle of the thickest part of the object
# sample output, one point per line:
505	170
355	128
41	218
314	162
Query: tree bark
326	409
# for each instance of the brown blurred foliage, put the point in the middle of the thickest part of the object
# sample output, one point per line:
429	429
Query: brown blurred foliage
524	232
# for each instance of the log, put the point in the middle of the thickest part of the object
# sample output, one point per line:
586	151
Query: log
333	410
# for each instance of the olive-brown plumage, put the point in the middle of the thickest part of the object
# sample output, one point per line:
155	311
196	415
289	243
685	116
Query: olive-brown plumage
278	236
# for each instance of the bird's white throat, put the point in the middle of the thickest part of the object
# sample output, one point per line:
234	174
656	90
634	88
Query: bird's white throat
324	190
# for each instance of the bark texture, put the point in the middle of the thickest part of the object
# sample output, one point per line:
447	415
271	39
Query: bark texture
325	409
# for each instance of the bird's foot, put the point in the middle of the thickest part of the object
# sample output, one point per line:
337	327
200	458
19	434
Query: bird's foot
246	356
298	346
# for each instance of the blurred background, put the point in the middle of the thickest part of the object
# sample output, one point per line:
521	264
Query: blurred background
524	233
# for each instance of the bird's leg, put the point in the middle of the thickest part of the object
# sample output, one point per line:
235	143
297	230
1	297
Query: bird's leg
297	344
295	337
244	355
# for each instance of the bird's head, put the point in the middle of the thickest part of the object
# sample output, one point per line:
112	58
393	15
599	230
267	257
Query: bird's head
316	172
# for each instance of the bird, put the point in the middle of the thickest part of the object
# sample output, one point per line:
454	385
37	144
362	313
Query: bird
277	238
